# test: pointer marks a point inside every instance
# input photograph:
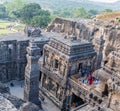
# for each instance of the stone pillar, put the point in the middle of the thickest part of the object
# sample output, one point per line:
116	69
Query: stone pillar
99	45
41	82
70	100
18	61
31	88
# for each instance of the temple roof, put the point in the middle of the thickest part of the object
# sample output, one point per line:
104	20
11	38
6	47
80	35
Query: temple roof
71	47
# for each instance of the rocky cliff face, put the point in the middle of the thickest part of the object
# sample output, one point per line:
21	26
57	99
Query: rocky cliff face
90	30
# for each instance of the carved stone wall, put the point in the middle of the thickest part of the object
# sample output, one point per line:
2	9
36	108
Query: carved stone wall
13	59
50	59
90	30
62	58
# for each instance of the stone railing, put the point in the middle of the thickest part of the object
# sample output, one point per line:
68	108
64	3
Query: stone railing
80	88
79	107
108	69
54	76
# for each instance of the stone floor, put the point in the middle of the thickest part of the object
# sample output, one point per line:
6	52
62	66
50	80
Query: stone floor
48	105
18	90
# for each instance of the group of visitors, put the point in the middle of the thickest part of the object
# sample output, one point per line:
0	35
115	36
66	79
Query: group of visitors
87	77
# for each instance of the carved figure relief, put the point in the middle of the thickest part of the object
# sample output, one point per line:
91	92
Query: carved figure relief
62	67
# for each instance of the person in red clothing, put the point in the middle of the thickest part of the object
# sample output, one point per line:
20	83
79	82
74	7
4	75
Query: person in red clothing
90	78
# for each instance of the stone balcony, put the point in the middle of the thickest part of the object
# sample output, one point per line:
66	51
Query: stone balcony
83	89
79	88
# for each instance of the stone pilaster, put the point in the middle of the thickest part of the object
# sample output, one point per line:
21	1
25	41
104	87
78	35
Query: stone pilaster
99	45
31	89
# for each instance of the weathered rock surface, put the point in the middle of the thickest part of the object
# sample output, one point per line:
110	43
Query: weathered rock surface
32	31
90	30
29	107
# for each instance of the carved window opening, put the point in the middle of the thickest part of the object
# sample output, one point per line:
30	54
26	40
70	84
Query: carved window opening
40	75
56	63
44	79
10	48
41	52
76	101
79	67
105	62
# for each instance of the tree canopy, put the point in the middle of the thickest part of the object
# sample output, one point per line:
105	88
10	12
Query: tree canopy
32	14
80	12
13	6
3	12
28	13
107	10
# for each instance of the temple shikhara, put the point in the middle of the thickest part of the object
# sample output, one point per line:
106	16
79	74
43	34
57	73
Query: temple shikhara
74	64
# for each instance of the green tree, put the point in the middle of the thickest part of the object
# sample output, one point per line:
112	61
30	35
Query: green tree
3	12
28	11
80	12
32	14
40	21
13	6
107	10
93	12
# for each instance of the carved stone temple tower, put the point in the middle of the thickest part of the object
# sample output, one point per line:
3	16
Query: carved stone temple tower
31	88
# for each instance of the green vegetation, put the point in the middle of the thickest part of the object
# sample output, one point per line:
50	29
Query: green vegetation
32	14
72	4
109	16
13	6
3	12
80	12
107	10
93	12
4	32
3	29
19	27
75	13
4	24
29	13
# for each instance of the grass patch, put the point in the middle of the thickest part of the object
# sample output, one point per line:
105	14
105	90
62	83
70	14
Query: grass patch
4	24
109	16
5	31
16	27
19	27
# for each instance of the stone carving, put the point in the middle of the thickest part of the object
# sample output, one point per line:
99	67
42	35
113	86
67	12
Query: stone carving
32	31
31	89
90	30
59	66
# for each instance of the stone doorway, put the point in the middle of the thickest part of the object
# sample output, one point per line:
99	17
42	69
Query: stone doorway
76	101
80	66
40	75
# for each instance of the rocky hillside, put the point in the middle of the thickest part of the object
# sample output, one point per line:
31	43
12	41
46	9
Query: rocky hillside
108	15
90	30
87	4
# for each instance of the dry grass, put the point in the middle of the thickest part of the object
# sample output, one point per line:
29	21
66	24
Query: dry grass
108	16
